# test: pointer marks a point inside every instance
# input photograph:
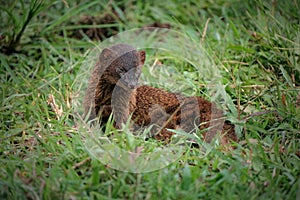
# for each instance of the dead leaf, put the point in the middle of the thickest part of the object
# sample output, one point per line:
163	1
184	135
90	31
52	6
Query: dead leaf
57	109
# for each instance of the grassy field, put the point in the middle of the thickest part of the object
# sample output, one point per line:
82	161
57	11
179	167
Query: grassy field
256	46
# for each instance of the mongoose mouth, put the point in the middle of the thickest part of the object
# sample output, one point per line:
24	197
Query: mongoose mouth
125	85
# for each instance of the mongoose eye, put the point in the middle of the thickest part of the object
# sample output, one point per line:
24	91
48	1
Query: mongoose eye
120	70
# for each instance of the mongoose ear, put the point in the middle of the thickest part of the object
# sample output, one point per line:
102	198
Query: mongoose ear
142	56
106	53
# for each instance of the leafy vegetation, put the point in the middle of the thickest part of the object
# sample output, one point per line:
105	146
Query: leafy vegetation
256	44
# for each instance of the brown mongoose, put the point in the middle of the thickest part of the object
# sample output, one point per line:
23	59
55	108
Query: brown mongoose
113	89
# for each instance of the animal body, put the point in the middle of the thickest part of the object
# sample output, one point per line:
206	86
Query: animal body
113	89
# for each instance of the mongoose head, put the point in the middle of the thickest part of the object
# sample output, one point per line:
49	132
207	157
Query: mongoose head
121	65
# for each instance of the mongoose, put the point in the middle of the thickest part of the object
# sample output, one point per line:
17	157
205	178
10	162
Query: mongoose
113	89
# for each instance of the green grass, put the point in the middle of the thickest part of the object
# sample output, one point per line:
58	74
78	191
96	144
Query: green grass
256	46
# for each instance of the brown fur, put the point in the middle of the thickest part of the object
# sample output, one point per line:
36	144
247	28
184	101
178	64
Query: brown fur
114	93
